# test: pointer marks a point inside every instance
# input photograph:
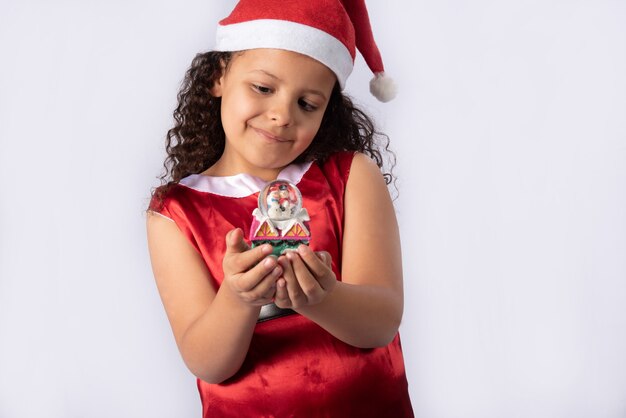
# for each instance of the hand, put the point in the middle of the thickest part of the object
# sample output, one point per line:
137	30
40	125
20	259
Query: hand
250	273
307	279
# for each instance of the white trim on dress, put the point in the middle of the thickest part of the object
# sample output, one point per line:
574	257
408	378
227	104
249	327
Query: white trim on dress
161	215
241	185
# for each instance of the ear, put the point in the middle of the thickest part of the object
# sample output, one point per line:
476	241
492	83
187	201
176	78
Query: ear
216	90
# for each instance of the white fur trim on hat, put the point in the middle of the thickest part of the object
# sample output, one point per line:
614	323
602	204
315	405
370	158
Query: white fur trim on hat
291	36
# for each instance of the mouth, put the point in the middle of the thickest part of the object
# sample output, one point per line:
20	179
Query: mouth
269	136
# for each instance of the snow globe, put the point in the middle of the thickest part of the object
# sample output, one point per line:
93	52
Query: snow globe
280	219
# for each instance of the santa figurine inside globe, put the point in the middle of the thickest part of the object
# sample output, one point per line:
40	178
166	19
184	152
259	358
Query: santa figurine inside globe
280	219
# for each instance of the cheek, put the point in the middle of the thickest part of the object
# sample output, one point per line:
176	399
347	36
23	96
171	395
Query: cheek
309	130
237	110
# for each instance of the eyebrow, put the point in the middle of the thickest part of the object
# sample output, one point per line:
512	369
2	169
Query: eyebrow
312	91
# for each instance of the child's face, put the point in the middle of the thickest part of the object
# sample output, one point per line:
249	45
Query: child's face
273	102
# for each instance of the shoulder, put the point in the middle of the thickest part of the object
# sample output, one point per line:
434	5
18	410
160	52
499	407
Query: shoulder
160	213
170	215
351	170
339	159
364	172
172	200
361	161
371	242
367	198
336	167
347	161
161	199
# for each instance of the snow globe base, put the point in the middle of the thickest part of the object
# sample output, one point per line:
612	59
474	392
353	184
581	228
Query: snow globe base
280	246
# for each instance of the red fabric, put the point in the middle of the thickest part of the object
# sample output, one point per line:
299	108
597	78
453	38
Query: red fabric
294	368
363	33
326	15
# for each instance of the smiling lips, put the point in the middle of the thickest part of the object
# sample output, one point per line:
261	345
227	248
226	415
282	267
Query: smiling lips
268	136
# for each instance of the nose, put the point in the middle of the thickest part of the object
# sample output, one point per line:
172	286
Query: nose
281	112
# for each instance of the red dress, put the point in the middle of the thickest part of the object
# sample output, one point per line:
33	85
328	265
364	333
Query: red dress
294	368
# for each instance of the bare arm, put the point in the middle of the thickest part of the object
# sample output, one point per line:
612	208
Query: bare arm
364	309
212	329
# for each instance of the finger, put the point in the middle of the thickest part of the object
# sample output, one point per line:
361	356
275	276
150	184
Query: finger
241	262
308	284
258	296
318	267
271	293
235	242
325	257
260	302
294	291
254	277
323	271
281	298
264	290
267	285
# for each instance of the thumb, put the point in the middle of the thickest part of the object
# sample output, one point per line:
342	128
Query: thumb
325	257
235	242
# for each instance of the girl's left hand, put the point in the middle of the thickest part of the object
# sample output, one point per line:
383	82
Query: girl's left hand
307	278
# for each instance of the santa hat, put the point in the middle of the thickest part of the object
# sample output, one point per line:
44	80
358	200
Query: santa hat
329	31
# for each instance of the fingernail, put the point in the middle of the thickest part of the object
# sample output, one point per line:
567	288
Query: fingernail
302	249
277	271
266	249
269	262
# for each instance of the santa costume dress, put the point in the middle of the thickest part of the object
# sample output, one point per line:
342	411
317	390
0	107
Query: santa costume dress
294	368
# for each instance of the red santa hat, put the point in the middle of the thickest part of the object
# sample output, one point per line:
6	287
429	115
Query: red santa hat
329	31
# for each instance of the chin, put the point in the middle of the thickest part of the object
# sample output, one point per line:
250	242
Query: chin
271	164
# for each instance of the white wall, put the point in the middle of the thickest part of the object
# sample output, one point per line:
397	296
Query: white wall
510	131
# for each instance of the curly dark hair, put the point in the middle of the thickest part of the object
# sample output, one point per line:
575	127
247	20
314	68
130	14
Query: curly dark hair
197	139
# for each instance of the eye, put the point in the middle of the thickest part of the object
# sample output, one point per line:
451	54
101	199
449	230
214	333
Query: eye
261	89
306	106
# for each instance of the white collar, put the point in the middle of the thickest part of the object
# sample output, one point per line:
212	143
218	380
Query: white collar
243	184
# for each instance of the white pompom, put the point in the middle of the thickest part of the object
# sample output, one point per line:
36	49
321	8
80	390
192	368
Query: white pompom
383	87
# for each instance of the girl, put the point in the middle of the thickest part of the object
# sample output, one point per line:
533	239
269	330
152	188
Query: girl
313	332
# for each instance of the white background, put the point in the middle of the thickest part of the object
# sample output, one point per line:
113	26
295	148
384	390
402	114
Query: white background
510	131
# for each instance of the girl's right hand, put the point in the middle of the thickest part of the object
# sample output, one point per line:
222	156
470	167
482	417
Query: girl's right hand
251	274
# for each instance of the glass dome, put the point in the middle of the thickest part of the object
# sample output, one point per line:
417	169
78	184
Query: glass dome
280	200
